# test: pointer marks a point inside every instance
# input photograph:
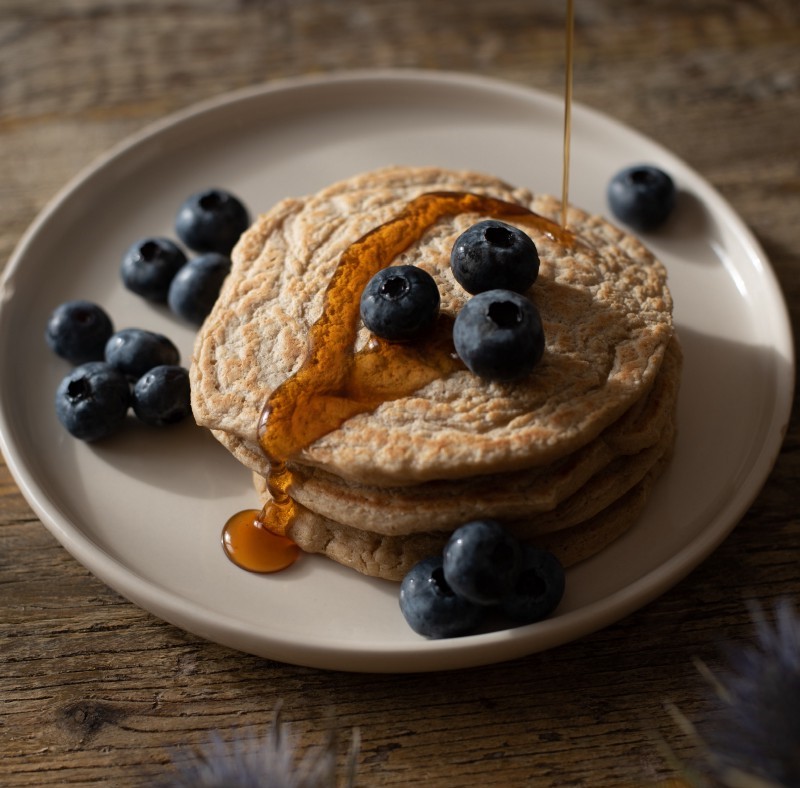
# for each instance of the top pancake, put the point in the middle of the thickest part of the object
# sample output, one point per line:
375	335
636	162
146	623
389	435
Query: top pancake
605	308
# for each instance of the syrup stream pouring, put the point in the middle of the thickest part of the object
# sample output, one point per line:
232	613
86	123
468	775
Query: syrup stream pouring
570	39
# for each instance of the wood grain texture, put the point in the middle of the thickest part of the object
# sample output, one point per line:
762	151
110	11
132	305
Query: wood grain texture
96	691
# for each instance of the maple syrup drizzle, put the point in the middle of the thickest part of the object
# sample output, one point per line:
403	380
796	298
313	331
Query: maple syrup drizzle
570	39
335	383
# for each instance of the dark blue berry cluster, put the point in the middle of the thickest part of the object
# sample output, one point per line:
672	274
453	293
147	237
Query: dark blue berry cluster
157	269
134	368
483	571
498	333
115	371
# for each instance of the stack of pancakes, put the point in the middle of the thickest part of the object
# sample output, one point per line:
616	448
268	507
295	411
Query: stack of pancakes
565	457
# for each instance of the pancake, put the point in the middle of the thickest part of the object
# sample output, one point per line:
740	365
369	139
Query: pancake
599	491
446	504
604	303
391	557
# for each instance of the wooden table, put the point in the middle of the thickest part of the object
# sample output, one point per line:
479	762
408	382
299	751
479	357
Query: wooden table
96	691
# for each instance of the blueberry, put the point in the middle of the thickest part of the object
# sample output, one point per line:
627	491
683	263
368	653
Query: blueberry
400	303
78	331
92	401
642	196
149	266
538	589
481	561
430	606
134	351
492	255
196	286
161	396
498	335
211	221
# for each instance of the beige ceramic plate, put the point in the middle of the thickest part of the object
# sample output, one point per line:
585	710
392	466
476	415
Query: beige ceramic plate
144	510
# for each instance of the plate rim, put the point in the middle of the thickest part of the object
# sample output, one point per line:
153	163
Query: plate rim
470	651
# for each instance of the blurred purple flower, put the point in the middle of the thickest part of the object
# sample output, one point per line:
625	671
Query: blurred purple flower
757	741
268	762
